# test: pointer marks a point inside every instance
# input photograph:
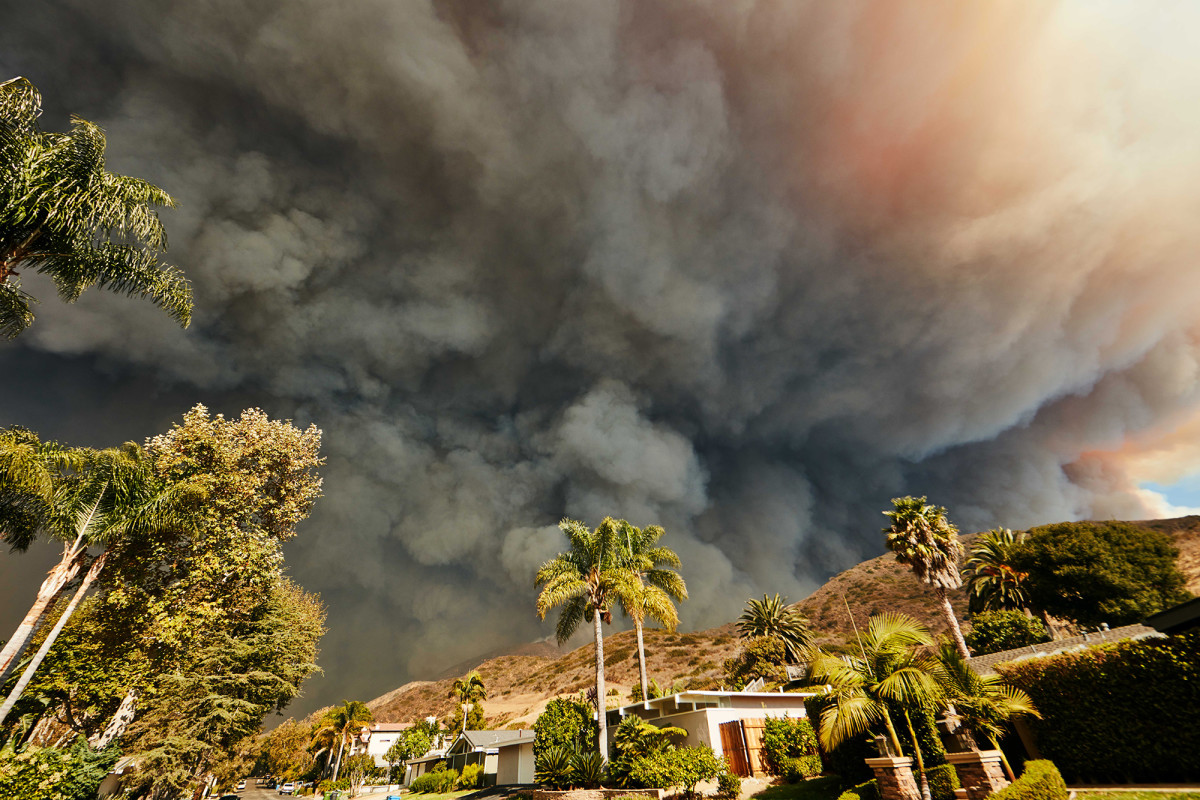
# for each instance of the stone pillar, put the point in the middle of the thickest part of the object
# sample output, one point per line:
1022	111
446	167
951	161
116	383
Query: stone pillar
895	778
980	772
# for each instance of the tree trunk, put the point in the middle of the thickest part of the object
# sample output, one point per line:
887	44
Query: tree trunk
642	661
925	794
119	722
887	717
27	675
955	631
60	575
601	703
337	765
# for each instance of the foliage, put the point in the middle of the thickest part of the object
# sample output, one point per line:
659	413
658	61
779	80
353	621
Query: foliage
360	768
1040	781
439	781
1097	572
684	767
729	785
472	777
468	690
993	584
763	657
994	631
772	618
44	773
330	785
1129	711
983	703
653	689
863	791
62	214
566	722
943	780
412	743
790	746
553	765
587	770
476	719
636	738
285	751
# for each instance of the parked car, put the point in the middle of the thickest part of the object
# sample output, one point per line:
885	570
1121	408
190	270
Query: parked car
229	797
287	788
241	785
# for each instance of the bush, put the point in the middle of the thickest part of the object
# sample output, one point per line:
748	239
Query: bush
587	770
790	746
472	777
1126	712
728	784
684	767
943	781
565	723
554	766
863	791
993	631
341	784
1040	781
437	782
45	773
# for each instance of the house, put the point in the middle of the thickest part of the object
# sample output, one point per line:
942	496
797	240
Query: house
515	761
1178	619
483	747
417	767
728	722
375	740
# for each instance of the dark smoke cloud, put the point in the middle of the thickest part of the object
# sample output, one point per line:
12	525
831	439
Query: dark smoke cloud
744	269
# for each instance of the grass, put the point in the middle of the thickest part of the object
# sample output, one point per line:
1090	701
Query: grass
446	796
814	789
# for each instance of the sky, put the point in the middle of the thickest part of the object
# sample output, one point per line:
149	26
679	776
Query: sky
745	269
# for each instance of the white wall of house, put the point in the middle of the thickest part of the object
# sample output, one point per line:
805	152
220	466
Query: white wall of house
515	764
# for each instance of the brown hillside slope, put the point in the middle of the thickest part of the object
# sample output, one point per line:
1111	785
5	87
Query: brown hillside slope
521	682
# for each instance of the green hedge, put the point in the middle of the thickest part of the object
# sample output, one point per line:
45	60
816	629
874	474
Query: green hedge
943	781
1123	712
435	782
1040	781
863	791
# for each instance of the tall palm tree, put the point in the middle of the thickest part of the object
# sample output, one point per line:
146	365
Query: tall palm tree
469	690
774	618
983	703
893	667
993	583
64	215
923	537
339	724
586	580
94	498
658	584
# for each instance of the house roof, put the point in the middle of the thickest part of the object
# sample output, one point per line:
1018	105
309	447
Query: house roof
710	697
1178	618
390	727
427	757
524	737
986	664
488	740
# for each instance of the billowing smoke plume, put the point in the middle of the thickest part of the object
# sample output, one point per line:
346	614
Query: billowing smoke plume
743	269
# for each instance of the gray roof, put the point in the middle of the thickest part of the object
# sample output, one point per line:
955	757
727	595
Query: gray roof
985	664
487	740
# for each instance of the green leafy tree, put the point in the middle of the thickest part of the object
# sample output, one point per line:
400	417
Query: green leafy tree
993	631
567	725
892	668
344	721
922	537
360	768
476	719
993	584
774	618
659	584
469	690
983	703
47	773
285	751
790	746
1097	572
64	215
586	580
412	743
763	657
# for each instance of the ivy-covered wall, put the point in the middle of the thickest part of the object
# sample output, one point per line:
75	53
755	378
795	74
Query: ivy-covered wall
1123	712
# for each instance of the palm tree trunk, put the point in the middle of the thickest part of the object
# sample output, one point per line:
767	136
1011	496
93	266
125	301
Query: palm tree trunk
602	723
955	631
119	722
925	794
60	575
27	675
887	717
337	765
637	623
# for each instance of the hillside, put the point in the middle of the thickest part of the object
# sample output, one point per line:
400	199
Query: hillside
521	681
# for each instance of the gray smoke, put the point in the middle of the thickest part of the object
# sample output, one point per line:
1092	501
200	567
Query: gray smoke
743	269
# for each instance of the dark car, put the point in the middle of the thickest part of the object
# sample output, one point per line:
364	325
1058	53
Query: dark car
229	797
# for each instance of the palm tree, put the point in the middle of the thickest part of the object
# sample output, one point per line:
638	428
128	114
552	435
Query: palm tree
469	690
993	584
893	667
93	498
659	585
64	215
586	580
922	537
983	703
340	724
773	618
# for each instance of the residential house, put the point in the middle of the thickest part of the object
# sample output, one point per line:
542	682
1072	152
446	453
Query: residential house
483	747
514	764
376	739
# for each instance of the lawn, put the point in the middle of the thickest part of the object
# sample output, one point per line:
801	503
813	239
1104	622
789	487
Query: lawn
815	789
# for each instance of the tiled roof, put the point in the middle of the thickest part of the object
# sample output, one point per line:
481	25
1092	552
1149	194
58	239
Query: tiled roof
985	664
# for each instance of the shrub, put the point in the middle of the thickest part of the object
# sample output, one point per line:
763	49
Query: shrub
437	782
44	773
565	723
790	746
472	777
1129	711
728	784
342	784
553	767
943	781
1040	781
587	770
684	767
993	631
863	791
